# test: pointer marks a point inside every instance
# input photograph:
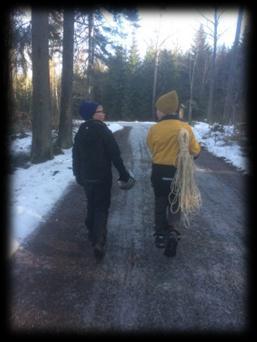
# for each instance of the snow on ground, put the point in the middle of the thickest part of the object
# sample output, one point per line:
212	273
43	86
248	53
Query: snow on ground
35	190
217	143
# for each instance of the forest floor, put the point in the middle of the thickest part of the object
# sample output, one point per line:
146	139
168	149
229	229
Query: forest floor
56	285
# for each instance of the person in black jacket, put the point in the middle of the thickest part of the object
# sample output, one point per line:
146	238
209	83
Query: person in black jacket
94	151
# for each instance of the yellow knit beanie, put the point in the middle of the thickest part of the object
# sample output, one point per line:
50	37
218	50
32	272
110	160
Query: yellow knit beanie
168	103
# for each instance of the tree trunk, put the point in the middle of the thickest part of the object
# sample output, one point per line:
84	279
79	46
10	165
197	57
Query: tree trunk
54	96
230	100
41	114
191	80
9	73
210	116
156	63
65	126
90	55
155	83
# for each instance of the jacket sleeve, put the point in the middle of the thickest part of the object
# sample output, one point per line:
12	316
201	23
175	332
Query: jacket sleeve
114	153
76	159
194	146
149	140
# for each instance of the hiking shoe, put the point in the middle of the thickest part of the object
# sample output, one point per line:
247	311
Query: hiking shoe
178	234
172	229
171	245
99	251
159	240
90	236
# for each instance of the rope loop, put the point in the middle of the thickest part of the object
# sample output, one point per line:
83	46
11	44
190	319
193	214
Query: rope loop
184	194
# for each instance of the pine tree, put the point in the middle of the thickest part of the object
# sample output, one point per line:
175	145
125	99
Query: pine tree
182	80
210	110
230	100
96	40
199	73
241	74
223	61
167	74
132	102
114	85
146	79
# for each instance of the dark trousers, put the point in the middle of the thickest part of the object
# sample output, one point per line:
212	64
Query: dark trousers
161	179
98	203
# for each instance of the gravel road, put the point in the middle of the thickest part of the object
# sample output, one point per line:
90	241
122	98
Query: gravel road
57	285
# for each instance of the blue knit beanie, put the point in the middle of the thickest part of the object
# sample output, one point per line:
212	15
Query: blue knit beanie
87	109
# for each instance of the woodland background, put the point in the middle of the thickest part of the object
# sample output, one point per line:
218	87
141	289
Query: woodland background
59	57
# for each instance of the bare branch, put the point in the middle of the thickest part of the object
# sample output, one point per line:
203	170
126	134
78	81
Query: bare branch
165	39
206	18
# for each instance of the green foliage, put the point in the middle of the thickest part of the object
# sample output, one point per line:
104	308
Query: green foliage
132	99
78	93
200	55
182	79
167	73
146	85
114	85
222	73
122	81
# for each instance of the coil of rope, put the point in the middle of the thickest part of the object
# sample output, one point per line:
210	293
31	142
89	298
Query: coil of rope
183	188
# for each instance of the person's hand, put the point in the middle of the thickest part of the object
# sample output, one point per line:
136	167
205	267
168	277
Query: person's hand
126	185
196	156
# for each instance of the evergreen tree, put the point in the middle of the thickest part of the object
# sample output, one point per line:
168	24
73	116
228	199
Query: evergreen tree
167	74
222	73
21	57
210	110
132	103
182	80
114	85
96	39
229	113
21	40
200	64
91	45
146	81
20	50
55	32
241	74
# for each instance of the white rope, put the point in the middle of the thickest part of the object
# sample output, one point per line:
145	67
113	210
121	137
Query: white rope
187	197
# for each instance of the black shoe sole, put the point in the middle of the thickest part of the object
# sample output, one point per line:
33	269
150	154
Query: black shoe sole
171	247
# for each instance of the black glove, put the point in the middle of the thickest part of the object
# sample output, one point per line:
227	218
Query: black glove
196	156
126	185
124	176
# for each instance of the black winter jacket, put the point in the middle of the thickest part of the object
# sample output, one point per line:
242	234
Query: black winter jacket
94	151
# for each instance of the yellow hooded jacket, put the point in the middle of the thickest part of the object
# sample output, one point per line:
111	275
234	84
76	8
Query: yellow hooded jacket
163	144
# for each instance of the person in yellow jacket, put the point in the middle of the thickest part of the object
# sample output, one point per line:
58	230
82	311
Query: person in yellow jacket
162	140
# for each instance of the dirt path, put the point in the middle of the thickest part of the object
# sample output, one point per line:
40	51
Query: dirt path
56	284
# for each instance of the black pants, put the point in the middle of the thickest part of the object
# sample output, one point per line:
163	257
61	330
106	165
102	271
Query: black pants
161	179
98	203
